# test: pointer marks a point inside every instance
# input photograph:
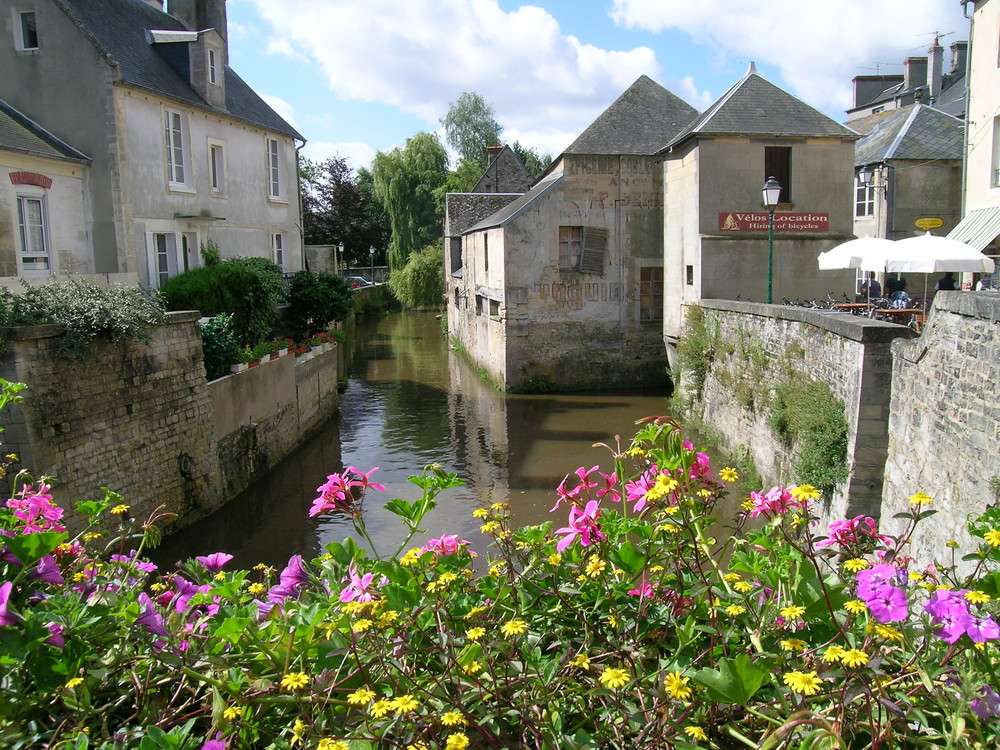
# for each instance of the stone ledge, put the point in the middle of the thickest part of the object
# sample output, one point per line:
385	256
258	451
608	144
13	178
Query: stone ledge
51	330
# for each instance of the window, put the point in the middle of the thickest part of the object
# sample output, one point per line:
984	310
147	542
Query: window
494	308
570	248
778	164
651	293
33	233
486	253
864	198
217	167
278	250
27	37
176	143
273	168
164	257
213	67
995	167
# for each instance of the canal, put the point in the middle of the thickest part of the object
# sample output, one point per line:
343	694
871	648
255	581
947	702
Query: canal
412	401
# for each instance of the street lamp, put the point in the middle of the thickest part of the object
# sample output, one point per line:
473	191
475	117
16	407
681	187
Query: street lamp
371	255
340	262
771	192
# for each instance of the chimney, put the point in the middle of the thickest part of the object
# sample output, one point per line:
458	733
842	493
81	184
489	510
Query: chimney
158	4
914	72
935	61
199	15
959	57
493	152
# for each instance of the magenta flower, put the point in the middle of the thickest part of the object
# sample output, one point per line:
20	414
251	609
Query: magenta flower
6	616
448	544
982	629
582	525
583	486
290	580
635	492
644	590
56	639
217	744
363	480
888	605
334	495
360	588
610	488
35	507
148	617
847	534
131	560
987	706
184	591
47	571
214	563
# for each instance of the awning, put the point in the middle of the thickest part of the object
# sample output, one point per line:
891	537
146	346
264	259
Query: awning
979	228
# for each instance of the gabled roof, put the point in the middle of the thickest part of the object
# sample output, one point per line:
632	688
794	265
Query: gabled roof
18	133
118	29
755	106
913	132
506	173
640	121
515	208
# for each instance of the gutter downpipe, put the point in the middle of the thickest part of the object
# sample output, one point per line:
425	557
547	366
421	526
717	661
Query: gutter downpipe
621	251
968	123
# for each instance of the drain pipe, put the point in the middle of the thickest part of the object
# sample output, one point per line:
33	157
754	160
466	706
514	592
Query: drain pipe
621	250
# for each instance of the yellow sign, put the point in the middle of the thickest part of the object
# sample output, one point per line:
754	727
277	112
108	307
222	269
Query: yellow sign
929	223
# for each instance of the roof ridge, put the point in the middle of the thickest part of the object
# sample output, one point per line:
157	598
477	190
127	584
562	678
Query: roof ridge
901	133
39	132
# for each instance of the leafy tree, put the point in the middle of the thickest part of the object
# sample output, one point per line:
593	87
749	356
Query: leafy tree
315	300
535	162
339	205
405	180
470	126
421	281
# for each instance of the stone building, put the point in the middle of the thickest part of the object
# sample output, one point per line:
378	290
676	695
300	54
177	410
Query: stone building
980	225
44	204
183	151
563	285
715	237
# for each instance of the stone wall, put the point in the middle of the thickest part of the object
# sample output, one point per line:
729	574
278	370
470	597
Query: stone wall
944	428
849	353
142	420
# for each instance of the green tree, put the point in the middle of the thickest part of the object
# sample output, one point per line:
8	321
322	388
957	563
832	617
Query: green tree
421	281
535	162
470	126
405	180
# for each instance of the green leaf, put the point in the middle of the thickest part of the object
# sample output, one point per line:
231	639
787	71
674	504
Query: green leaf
232	629
30	548
403	508
627	557
736	680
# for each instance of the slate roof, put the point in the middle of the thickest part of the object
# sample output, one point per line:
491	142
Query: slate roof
952	98
505	168
117	28
913	132
515	208
755	106
18	133
640	121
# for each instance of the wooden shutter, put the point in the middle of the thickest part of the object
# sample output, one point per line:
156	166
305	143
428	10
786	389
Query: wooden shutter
595	242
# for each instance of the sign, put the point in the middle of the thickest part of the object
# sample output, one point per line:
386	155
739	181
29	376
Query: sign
783	222
928	223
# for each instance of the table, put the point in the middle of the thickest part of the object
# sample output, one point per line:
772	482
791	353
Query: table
900	315
855	308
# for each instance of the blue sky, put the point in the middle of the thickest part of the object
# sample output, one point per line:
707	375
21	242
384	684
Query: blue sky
360	76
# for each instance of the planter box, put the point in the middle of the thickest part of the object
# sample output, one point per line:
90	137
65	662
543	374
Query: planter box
238	367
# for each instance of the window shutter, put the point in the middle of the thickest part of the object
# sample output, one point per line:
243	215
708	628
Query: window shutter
595	242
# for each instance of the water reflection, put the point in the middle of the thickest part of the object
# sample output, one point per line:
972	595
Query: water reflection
410	401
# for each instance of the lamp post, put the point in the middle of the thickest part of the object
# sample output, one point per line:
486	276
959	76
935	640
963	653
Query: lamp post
371	255
771	192
340	261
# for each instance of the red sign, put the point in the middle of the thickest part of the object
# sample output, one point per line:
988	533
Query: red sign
783	222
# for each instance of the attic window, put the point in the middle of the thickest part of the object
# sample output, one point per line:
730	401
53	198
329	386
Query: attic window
213	67
28	31
778	164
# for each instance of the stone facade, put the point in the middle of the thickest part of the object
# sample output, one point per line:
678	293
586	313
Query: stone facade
944	423
849	353
142	420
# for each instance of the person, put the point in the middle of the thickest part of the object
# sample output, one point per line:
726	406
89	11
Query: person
871	287
893	285
946	283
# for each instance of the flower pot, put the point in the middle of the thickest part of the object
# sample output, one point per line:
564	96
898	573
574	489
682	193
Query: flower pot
238	367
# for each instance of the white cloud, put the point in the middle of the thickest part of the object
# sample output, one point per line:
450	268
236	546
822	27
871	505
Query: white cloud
279	105
419	55
818	46
356	154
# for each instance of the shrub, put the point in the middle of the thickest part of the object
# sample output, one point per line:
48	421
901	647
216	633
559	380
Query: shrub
247	288
210	254
629	626
219	345
421	281
85	310
315	300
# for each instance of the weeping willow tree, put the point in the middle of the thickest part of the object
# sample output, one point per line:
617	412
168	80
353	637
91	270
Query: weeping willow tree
405	180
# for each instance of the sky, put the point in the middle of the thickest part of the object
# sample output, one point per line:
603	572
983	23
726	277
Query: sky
359	76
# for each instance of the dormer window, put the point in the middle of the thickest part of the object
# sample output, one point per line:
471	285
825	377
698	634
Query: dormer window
27	31
213	67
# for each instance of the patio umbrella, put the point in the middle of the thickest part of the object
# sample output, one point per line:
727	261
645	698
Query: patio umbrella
851	254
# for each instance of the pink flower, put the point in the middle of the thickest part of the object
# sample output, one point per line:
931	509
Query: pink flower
982	629
34	506
847	534
6	616
214	563
290	580
644	590
889	605
363	479
635	492
335	495
360	587
449	544
582	488
582	524
47	571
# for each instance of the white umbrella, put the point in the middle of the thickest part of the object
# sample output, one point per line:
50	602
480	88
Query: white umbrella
852	254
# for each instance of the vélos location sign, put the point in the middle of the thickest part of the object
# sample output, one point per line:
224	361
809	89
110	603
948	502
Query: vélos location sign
783	222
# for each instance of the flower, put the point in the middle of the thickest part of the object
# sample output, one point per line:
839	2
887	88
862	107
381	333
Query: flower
514	627
582	525
290	580
794	644
614	678
380	708
490	527
855	564
595	566
361	625
298	731
361	697
855	606
728	475
329	744
448	544
992	537
834	653
404	703
555	559
120	510
921	498
295	680
854	658
217	744
213	563
695	733
473	667
734	609
676	686
232	712
453	719
360	587
73	683
334	495
804	683
581	660
475	634
743	587
457	741
977	597
792	611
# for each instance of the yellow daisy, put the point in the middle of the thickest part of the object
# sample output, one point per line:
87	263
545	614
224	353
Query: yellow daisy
803	683
614	678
